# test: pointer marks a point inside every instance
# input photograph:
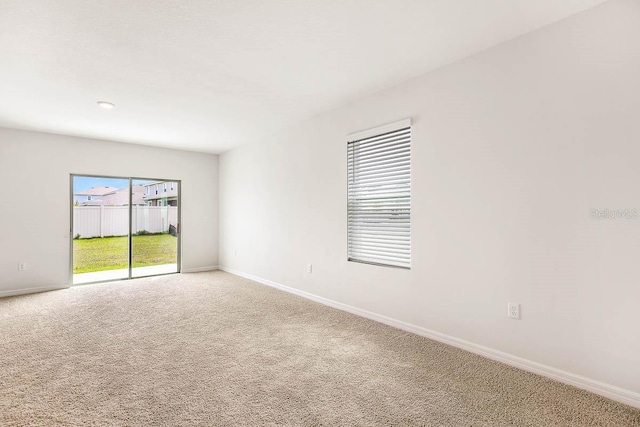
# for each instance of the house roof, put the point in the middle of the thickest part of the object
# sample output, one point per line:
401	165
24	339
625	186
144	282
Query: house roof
96	191
120	197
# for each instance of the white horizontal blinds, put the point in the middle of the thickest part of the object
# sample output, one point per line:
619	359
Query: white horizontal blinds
379	199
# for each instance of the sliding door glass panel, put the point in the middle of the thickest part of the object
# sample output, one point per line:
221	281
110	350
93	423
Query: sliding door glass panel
100	230
154	227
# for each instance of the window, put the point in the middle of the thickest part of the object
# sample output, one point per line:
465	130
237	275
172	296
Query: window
88	198
379	196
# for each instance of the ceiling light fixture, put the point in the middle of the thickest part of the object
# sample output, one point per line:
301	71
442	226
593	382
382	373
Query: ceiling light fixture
106	105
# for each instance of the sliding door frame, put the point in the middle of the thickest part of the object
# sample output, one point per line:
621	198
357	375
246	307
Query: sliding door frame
130	255
178	228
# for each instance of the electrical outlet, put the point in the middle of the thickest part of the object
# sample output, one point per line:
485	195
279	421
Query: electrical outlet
310	268
22	266
513	310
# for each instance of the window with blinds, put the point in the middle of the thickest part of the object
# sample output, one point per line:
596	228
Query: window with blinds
379	196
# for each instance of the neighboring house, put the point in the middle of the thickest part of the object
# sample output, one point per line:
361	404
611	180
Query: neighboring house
119	197
94	193
161	193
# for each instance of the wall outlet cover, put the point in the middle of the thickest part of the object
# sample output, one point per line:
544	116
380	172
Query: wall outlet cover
513	310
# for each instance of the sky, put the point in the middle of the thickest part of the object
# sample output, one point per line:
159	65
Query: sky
81	183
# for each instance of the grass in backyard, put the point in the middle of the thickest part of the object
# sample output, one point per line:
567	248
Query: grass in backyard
111	253
154	250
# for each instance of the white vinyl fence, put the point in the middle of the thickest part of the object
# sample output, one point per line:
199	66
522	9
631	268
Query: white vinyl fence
105	221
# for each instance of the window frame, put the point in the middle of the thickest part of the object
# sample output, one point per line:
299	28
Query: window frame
379	132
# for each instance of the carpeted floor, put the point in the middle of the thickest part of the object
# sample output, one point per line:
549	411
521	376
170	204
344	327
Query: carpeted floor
211	349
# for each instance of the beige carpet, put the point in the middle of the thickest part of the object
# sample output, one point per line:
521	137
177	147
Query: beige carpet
213	349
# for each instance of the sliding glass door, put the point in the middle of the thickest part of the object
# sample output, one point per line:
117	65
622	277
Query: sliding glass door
154	244
123	228
100	229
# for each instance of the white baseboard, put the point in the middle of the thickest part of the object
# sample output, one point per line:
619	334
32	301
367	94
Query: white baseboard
618	394
200	269
14	292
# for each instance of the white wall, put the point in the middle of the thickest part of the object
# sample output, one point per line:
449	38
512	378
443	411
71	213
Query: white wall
34	217
511	150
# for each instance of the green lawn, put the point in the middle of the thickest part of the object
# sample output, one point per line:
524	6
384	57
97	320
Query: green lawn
111	253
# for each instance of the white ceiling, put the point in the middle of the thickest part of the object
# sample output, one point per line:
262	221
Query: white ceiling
208	75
